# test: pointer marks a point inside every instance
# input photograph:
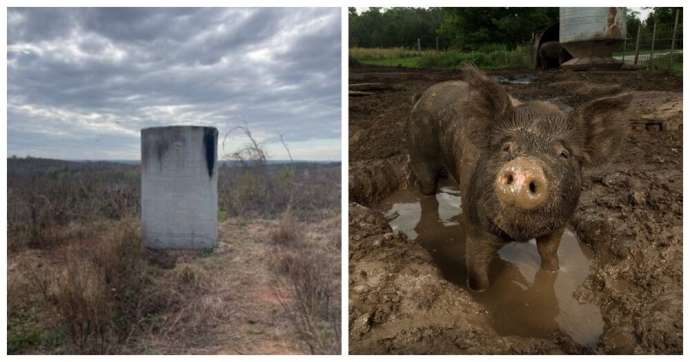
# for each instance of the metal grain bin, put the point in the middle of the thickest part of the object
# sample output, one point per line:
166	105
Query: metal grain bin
179	187
590	35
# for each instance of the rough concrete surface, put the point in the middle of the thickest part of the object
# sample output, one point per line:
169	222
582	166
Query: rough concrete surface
179	187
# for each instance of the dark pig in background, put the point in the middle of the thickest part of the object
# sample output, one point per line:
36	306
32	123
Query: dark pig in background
518	167
552	55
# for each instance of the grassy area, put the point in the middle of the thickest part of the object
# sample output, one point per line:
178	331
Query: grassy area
631	52
671	63
492	57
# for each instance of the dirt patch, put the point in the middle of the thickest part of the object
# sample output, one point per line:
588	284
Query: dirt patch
629	219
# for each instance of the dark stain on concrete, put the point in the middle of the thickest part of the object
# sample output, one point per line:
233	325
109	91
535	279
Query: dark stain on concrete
210	138
154	143
161	148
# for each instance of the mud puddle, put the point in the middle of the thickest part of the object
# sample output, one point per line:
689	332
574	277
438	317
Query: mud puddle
520	79
523	300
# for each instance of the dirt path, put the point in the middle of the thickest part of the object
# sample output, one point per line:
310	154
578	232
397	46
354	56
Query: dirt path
630	217
247	285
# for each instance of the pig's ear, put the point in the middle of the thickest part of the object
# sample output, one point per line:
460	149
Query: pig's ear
603	127
494	99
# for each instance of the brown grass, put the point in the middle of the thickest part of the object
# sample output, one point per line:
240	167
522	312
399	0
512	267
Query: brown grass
287	231
109	299
310	271
80	282
95	289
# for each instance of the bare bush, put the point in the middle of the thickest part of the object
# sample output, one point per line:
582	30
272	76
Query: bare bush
312	277
97	292
253	187
44	201
110	299
287	231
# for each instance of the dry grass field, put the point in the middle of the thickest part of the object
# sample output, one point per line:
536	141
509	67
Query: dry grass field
80	281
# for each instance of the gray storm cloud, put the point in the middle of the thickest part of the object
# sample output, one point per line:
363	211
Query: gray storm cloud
83	82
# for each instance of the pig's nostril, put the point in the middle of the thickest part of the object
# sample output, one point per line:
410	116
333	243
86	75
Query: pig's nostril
509	179
532	187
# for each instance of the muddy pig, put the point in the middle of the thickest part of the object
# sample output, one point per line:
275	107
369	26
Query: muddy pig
518	167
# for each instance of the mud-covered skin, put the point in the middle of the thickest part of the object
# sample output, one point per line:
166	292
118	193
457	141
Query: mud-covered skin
472	129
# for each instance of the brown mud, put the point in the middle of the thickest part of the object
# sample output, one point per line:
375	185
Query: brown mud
619	289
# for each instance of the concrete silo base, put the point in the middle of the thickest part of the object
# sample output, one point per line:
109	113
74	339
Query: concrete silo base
595	54
595	63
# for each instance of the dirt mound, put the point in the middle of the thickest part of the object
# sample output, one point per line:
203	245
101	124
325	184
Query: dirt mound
654	109
370	181
630	214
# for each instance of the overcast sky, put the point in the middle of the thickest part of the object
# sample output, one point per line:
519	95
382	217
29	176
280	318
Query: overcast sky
83	82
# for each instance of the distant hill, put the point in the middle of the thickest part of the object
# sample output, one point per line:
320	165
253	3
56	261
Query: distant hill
31	166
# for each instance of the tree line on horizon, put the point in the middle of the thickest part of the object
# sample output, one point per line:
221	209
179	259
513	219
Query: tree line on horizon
470	29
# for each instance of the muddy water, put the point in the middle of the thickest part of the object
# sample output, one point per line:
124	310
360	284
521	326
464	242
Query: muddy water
522	300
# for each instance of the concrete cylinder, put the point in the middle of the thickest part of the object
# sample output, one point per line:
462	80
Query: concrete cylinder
179	187
590	35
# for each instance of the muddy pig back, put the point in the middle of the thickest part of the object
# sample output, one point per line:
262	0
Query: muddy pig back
447	128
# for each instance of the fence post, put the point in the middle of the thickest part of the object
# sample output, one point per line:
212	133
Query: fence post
675	30
651	54
637	43
419	44
625	47
437	37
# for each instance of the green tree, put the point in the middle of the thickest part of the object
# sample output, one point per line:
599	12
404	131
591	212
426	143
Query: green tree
472	28
394	27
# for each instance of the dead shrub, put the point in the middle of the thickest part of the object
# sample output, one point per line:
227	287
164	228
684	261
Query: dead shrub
83	304
45	199
287	231
254	187
109	299
312	277
100	293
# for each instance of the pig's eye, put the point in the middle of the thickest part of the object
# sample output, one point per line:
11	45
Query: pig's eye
565	154
507	147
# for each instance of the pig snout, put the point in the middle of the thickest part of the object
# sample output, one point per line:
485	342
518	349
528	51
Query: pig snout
521	183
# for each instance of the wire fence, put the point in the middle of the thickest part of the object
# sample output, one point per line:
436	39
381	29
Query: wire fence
652	46
657	46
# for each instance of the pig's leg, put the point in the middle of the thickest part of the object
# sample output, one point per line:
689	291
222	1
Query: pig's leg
547	246
424	149
427	174
480	248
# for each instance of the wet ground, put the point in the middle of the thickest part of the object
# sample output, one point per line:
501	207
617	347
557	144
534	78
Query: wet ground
619	288
523	300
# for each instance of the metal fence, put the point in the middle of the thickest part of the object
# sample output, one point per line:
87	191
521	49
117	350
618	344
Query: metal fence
657	46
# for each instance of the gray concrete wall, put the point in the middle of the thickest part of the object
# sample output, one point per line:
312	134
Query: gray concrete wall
179	187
